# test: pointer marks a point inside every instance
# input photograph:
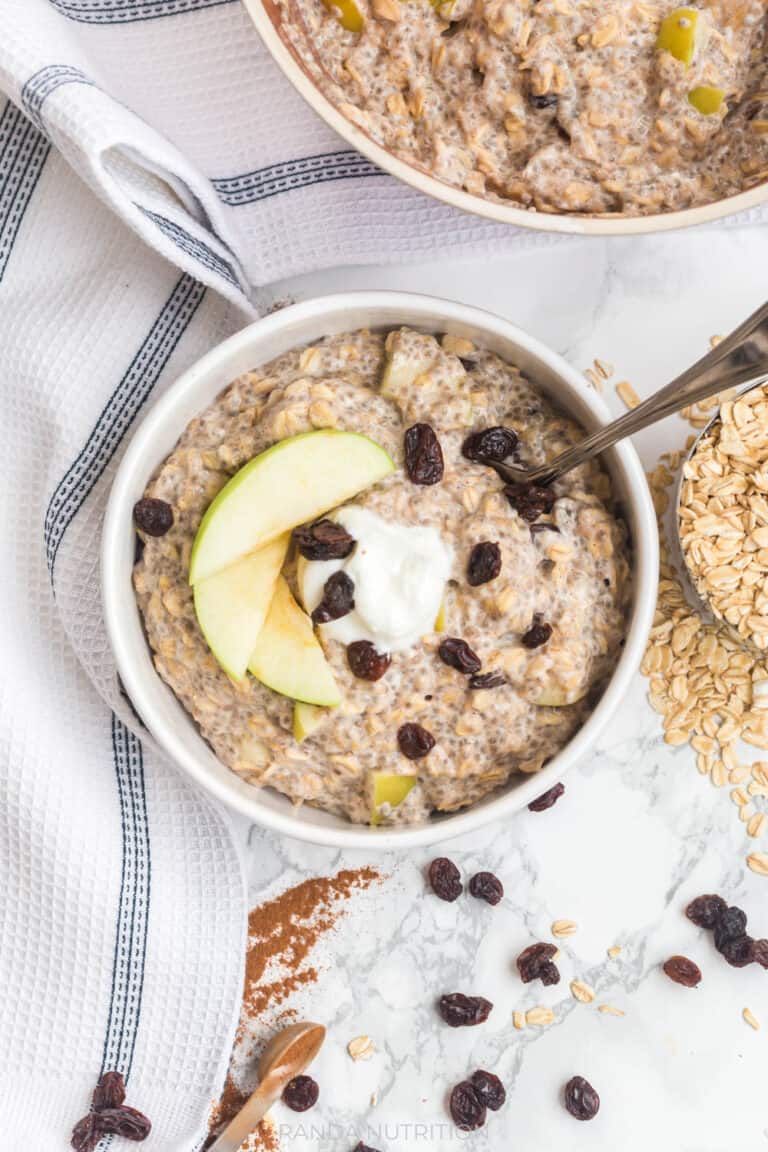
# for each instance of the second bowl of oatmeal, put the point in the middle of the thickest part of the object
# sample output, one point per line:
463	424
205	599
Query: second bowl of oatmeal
588	117
341	623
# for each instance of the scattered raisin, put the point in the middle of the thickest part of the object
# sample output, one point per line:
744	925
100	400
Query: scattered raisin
460	1011
109	1092
414	741
547	799
535	963
324	540
490	445
484	563
537	634
365	662
338	599
739	951
489	1088
547	100
483	680
760	952
301	1093
705	911
581	1100
486	886
730	924
457	654
467	1109
445	879
153	517
423	455
124	1121
530	500
86	1134
683	971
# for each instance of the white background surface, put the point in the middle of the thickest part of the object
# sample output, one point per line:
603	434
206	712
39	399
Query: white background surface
636	835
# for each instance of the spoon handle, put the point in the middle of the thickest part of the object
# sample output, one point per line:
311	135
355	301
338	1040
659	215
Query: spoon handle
255	1109
738	359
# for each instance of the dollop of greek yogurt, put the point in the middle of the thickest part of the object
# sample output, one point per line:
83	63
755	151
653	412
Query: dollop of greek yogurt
399	573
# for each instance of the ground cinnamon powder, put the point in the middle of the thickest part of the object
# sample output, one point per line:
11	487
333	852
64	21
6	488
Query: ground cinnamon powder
281	936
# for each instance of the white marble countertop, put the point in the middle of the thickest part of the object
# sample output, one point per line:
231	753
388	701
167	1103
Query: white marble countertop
636	835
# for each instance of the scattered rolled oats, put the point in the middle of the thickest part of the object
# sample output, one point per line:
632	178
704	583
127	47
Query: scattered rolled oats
614	951
626	392
540	1016
361	1048
609	1010
758	862
518	1019
751	1019
581	991
564	927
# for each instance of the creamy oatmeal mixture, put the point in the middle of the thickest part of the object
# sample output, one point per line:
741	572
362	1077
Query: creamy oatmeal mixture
568	570
557	105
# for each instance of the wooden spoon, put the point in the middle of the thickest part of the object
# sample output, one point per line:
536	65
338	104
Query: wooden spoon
286	1055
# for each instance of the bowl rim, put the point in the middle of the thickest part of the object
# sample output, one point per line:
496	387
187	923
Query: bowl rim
122	618
497	211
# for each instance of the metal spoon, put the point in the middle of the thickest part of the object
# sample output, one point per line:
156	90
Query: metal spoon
739	359
286	1055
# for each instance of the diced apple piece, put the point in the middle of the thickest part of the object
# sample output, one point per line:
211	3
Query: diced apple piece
296	480
678	34
389	789
288	657
347	13
307	718
706	99
232	605
409	354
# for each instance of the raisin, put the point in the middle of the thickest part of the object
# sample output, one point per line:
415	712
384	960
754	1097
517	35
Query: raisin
491	445
301	1093
705	911
739	951
423	455
153	517
457	654
730	924
581	1100
445	879
489	1088
484	680
467	1109
486	886
414	741
124	1121
530	500
109	1092
683	971
338	599
547	799
365	662
535	963
484	563
460	1011
760	952
86	1134
324	540
537	634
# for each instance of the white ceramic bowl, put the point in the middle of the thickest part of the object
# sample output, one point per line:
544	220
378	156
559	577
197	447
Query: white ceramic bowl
302	66
164	716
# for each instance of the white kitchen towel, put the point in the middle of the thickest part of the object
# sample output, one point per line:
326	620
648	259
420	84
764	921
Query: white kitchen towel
122	900
175	114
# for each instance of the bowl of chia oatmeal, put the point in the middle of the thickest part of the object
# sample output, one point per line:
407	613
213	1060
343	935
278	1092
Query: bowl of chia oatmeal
585	116
339	619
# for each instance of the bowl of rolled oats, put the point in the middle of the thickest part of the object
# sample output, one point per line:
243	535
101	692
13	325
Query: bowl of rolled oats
582	116
327	606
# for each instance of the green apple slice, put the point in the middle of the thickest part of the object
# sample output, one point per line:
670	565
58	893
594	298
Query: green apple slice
288	657
390	789
232	605
296	480
307	718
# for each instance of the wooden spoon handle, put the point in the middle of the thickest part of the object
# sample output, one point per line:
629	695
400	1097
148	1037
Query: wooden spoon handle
254	1109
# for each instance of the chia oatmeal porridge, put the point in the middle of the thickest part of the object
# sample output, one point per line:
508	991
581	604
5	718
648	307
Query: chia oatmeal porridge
577	106
471	627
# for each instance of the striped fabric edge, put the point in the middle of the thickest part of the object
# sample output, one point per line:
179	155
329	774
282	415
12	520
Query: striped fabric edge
192	246
23	152
288	175
46	80
129	11
119	412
